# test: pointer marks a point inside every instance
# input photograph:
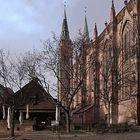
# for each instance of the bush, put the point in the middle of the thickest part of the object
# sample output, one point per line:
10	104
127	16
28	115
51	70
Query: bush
115	128
123	127
100	127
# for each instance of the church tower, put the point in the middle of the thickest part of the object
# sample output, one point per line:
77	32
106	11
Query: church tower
65	63
83	55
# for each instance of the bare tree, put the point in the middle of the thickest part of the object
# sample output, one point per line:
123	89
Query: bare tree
73	69
116	78
14	73
5	68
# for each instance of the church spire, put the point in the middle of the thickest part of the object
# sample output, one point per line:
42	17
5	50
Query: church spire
65	30
113	7
95	32
86	32
113	12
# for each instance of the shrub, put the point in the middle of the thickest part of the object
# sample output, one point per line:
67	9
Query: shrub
100	127
115	128
123	127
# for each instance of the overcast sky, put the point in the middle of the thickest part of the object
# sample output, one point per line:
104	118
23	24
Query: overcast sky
23	23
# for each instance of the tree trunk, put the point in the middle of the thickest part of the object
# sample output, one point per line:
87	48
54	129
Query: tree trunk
68	122
109	116
12	121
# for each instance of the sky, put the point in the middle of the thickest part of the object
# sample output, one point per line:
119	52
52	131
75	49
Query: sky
25	23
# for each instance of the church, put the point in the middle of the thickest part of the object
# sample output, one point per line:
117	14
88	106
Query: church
101	79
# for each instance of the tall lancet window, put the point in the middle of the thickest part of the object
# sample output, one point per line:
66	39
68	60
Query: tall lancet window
127	61
128	48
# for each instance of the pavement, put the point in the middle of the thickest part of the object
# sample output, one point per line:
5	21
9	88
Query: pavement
48	135
8	138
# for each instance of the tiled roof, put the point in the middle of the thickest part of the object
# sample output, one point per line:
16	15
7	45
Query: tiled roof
83	109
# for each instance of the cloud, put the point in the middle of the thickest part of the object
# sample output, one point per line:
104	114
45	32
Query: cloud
19	17
23	23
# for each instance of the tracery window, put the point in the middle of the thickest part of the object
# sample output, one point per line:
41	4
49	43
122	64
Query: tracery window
128	53
128	44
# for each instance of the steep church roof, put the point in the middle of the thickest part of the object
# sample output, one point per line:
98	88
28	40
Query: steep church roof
86	32
65	30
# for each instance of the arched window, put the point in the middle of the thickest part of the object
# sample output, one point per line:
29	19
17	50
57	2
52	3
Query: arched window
128	52
127	41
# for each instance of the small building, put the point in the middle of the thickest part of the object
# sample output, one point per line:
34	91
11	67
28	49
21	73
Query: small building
34	107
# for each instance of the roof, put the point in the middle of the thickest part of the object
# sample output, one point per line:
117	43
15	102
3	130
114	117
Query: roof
119	18
32	94
5	95
83	109
86	32
65	30
35	93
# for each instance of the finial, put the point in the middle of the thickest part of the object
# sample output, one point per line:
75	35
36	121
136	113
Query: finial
85	10
113	7
65	30
95	32
125	2
112	13
95	26
86	32
65	3
105	23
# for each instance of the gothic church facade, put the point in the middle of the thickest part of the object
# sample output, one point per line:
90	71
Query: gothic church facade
110	89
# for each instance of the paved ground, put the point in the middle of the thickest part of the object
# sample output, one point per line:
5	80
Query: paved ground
45	135
79	136
7	138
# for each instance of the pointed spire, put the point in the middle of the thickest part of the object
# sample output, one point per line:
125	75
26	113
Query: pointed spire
86	32
113	7
113	12
95	32
65	30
